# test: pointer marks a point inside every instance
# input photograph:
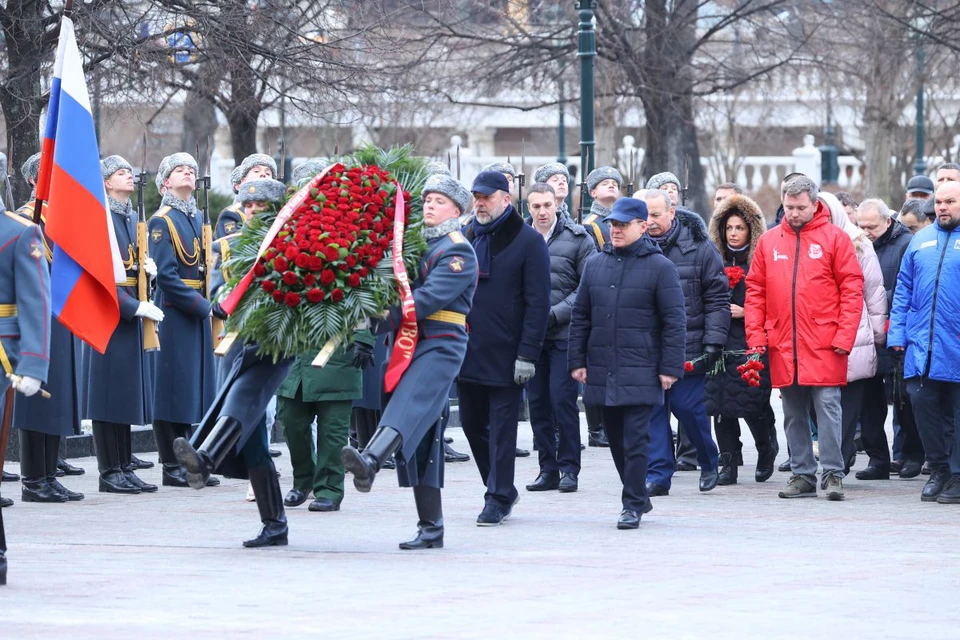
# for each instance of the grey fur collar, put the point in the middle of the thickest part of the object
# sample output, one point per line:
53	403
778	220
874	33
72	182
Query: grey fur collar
442	229
189	207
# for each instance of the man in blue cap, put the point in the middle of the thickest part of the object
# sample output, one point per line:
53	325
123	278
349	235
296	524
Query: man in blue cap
508	323
626	344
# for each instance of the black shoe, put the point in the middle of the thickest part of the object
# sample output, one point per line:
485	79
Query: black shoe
522	453
134	479
509	511
895	466
295	497
430	525
72	496
939	477
139	464
546	481
686	466
766	461
323	504
365	465
708	480
491	516
927	469
428	537
211	482
173	475
40	491
874	472
785	467
390	464
598	438
202	461
68	469
115	481
850	464
628	520
950	493
655	490
266	488
275	453
452	455
10	477
5	502
568	482
910	469
728	470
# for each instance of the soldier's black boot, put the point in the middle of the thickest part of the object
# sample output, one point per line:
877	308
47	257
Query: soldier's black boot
5	502
364	466
127	460
33	469
204	460
106	441
172	474
430	512
266	488
728	470
52	453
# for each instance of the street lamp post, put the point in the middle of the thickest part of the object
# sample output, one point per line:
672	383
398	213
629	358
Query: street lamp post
919	163
586	51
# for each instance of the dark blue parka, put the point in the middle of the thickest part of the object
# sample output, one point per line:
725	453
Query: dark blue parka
115	383
511	307
185	378
58	415
890	248
628	325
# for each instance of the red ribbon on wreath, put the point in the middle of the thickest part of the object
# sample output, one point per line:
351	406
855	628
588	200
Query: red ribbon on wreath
406	340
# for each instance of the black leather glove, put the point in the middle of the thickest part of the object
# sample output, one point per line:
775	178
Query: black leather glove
362	355
218	311
713	352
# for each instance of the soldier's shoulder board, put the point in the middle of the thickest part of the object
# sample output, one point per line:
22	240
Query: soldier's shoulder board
162	211
590	218
457	237
19	217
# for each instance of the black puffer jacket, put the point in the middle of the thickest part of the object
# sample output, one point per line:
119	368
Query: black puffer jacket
727	394
705	288
628	325
570	247
889	249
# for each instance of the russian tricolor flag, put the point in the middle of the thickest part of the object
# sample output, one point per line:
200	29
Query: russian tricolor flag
86	265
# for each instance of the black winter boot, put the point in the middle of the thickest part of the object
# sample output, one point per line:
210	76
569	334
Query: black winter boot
106	441
766	460
266	488
728	469
33	469
365	466
430	526
204	460
128	462
52	454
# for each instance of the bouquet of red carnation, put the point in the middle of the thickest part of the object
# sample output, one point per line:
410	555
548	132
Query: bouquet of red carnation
734	275
750	370
328	267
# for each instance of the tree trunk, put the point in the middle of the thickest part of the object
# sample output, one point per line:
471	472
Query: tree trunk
199	123
243	112
23	33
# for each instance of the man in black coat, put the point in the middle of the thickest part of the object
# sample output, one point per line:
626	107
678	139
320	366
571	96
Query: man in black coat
552	392
890	240
507	327
682	236
626	344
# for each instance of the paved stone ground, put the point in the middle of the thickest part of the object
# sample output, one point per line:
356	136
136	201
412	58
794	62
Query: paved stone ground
734	563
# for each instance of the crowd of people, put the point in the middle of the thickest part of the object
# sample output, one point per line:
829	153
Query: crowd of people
643	309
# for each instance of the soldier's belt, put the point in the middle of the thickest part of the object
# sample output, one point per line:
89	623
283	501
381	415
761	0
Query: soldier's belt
4	360
8	311
453	317
193	284
129	282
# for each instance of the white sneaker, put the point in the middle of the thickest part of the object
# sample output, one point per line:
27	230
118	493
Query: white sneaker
250	497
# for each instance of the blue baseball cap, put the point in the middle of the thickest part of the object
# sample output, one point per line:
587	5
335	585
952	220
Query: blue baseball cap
489	182
628	210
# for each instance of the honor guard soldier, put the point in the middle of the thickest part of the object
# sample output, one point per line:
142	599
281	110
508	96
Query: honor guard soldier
185	379
24	326
256	166
556	175
307	170
117	390
44	422
232	438
506	169
410	426
604	184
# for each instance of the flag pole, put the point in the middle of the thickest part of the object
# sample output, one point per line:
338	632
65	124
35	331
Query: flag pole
38	203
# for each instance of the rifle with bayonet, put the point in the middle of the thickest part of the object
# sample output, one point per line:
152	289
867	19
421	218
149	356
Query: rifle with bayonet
521	177
686	181
583	186
207	237
151	339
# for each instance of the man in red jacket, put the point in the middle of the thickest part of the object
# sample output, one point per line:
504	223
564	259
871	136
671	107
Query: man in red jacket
804	299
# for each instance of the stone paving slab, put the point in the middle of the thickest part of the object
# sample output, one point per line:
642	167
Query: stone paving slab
734	563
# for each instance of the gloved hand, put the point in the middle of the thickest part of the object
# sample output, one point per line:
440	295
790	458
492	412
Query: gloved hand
523	370
217	311
150	267
713	352
362	355
28	386
149	311
363	325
